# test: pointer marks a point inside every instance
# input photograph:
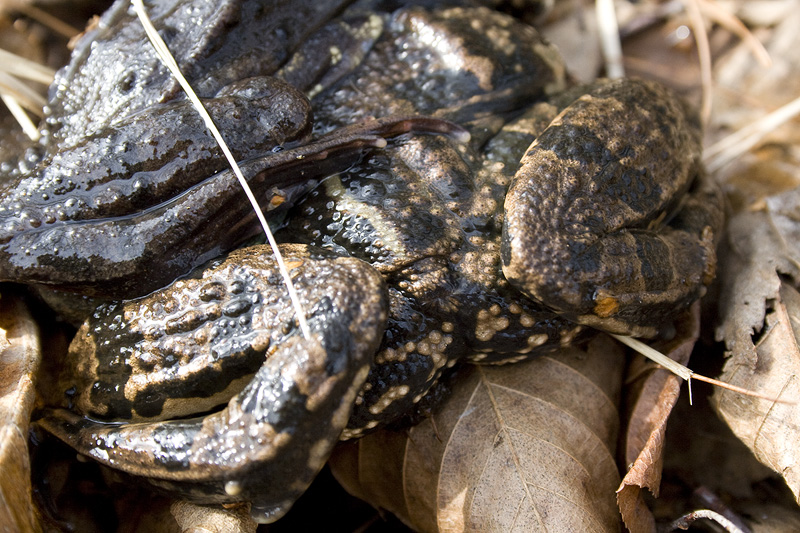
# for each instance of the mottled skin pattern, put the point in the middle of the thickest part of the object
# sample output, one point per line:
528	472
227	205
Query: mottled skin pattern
429	216
96	210
285	422
591	226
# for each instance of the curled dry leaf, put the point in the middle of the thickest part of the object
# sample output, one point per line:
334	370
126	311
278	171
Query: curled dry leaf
19	359
760	311
524	447
651	396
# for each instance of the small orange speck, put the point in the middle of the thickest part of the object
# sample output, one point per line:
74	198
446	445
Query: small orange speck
606	306
277	200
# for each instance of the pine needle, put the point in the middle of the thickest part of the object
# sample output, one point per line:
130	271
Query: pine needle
169	61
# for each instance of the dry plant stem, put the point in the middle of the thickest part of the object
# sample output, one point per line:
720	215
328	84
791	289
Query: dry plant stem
166	57
732	23
48	20
686	373
25	68
659	358
24	95
687	520
16	95
21	117
704	56
609	38
736	144
710	500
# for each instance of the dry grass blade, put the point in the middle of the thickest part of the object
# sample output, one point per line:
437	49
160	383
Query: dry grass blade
166	57
704	56
656	356
48	20
736	144
24	95
686	373
609	38
732	23
21	117
24	68
16	95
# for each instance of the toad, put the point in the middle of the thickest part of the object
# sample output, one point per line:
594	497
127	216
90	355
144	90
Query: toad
569	207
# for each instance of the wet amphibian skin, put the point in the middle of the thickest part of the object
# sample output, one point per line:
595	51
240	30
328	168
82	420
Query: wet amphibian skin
568	207
127	175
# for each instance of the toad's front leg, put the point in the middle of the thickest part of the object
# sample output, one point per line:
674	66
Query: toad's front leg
268	443
610	220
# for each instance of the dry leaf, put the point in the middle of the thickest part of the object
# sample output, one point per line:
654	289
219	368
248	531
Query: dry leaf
652	395
739	72
758	300
19	359
762	246
525	447
768	428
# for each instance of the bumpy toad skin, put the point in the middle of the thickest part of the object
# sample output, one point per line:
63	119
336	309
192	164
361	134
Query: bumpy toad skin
127	175
589	228
272	438
427	213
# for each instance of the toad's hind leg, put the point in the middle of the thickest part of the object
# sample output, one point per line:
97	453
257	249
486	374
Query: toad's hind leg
610	220
270	441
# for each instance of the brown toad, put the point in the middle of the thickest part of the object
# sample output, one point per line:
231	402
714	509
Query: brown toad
427	238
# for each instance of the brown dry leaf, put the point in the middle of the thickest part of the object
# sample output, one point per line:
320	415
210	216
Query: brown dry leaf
652	396
761	246
525	447
770	429
759	300
19	359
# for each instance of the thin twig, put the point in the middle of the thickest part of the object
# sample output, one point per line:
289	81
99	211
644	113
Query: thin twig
169	61
687	520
